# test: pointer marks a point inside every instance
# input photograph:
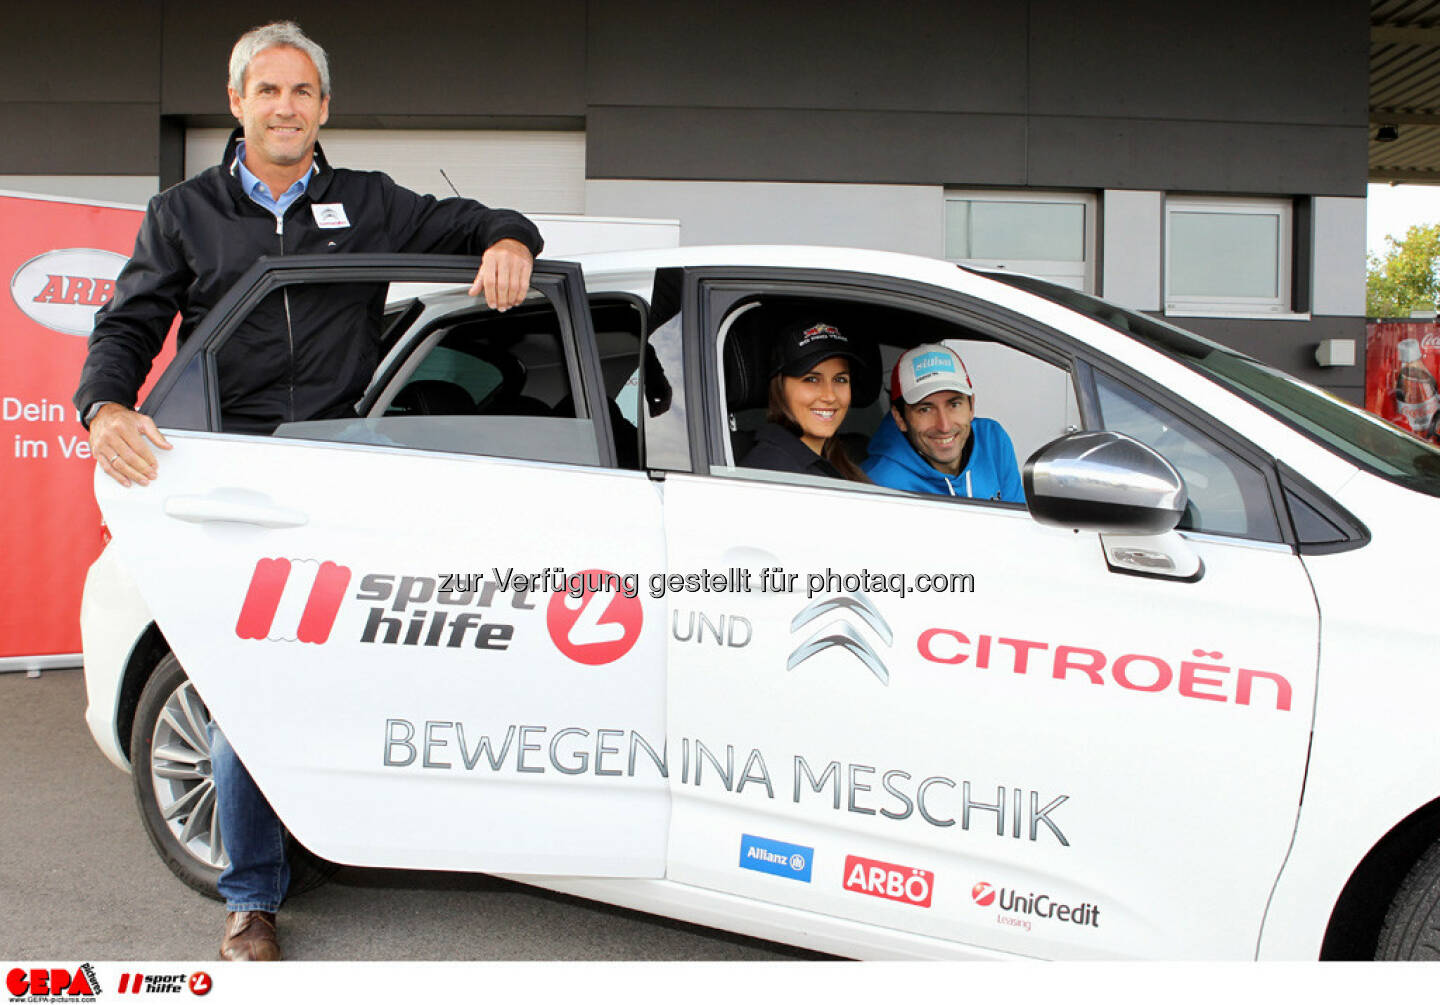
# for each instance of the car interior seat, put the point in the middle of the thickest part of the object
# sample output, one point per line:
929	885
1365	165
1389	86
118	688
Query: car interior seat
433	397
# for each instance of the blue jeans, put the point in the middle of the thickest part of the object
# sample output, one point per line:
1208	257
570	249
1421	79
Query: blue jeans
258	875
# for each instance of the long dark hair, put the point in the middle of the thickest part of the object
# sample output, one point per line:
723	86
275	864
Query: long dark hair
833	450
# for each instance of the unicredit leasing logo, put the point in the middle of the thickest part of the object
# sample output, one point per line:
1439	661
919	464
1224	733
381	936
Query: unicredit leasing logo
853	610
62	289
1017	908
292	600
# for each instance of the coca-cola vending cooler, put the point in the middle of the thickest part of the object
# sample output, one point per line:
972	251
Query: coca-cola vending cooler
1402	359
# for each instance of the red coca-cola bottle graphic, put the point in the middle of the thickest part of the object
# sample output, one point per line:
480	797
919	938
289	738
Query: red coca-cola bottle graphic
1415	391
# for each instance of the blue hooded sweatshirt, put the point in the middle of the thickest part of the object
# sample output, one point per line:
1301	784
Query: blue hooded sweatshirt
990	471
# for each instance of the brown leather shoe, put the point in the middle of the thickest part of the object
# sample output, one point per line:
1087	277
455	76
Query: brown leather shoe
250	935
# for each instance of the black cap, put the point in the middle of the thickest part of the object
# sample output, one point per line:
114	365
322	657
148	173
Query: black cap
803	344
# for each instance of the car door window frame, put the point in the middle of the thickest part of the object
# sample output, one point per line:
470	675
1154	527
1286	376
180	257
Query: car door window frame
711	295
175	403
1261	464
703	311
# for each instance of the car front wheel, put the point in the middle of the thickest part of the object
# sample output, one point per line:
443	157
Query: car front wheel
175	789
1412	925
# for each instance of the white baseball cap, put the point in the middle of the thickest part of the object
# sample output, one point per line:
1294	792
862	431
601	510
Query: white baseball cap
926	369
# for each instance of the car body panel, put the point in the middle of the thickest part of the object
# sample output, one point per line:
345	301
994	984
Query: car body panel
399	689
1059	731
113	617
1200	826
1376	747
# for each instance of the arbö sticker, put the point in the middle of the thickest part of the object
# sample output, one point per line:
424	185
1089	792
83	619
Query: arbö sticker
888	881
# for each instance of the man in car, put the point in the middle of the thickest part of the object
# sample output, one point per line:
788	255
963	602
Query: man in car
308	355
931	440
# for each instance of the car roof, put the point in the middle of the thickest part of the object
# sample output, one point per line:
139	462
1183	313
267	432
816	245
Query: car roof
863	260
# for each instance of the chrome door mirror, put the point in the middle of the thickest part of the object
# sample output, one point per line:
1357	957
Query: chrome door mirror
1104	481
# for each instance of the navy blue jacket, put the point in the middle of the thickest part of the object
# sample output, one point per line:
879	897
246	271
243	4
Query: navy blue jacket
305	354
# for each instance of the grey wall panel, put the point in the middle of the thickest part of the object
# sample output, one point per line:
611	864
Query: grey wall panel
1231	60
906	218
832	146
920	55
80	51
1290	345
1338	283
130	190
1215	157
433	58
1131	253
85	138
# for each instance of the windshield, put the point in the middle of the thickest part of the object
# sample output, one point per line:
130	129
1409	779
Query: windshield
1365	439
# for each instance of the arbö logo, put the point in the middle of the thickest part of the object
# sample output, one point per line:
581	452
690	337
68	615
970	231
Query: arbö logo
983	894
62	289
597	627
292	600
853	608
888	881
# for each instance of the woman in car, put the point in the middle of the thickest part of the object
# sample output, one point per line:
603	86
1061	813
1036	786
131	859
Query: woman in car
810	379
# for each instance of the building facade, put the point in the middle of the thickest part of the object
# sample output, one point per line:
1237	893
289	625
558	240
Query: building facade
1201	161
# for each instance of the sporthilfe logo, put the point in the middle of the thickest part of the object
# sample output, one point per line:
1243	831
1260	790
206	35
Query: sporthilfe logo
597	627
842	632
292	600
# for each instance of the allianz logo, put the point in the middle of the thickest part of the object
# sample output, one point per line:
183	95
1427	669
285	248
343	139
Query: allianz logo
853	613
795	861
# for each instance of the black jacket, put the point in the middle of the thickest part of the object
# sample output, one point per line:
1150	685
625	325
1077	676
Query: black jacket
778	449
306	352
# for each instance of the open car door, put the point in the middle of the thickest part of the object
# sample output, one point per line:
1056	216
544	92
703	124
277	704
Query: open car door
383	613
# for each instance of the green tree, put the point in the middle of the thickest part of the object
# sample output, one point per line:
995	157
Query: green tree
1407	276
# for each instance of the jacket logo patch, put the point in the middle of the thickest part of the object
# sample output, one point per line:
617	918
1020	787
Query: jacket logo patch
329	215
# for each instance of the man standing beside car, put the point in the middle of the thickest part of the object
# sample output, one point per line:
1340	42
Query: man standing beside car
931	440
273	193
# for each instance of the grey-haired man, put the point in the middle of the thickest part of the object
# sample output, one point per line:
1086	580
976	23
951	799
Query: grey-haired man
273	193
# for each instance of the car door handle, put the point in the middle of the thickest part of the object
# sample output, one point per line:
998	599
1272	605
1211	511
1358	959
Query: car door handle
219	509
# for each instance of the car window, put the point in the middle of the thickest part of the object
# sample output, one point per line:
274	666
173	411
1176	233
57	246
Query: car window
619	321
1356	434
470	380
1227	495
1031	400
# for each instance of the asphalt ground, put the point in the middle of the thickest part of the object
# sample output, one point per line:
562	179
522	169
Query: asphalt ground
80	880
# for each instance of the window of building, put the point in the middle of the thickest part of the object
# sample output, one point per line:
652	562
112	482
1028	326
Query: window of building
1227	256
1051	235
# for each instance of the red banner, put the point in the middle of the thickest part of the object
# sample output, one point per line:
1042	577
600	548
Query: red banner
62	258
1402	361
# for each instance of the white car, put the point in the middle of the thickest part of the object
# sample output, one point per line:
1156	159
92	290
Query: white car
529	617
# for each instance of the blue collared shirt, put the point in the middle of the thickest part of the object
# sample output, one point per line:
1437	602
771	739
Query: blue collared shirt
259	192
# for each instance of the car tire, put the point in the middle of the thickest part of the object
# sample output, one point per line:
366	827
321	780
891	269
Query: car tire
170	769
1412	925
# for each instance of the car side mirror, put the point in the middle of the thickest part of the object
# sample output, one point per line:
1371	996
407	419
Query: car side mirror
1104	481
